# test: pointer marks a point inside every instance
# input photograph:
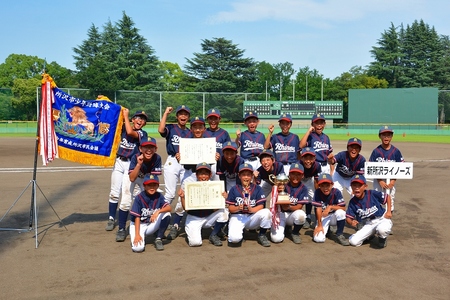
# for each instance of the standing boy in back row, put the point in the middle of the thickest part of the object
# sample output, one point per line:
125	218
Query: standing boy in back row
319	141
386	152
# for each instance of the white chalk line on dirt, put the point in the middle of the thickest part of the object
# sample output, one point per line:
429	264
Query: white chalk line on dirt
54	169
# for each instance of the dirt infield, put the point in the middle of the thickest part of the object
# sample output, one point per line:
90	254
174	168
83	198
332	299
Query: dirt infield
85	261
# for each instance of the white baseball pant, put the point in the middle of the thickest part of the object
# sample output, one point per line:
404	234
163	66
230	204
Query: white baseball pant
173	173
145	230
379	226
119	172
331	219
391	192
239	222
290	218
194	225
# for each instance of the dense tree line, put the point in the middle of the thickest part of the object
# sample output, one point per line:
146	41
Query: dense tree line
116	57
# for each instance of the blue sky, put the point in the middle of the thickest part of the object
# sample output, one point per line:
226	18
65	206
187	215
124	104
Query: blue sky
330	36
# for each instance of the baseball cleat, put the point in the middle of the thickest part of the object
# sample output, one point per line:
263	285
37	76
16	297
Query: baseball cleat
263	241
296	238
121	235
382	243
159	244
215	240
342	240
110	225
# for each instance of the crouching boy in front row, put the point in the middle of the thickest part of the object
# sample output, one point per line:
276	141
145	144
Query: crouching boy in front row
150	214
366	207
197	219
246	205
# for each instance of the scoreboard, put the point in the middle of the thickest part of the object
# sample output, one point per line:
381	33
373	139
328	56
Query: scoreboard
297	109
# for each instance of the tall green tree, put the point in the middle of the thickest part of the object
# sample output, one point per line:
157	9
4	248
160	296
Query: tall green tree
421	49
20	66
266	80
388	57
24	101
172	76
221	67
118	58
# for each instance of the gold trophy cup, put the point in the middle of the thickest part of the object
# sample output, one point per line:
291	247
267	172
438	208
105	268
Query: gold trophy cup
281	179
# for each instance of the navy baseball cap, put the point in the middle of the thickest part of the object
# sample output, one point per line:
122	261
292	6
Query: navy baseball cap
385	129
250	114
213	112
197	120
183	107
140	113
148	142
285	117
359	178
296	167
354	141
203	165
325	177
308	150
230	145
150	178
317	117
266	152
244	167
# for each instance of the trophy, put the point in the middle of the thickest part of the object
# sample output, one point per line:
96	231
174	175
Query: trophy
281	179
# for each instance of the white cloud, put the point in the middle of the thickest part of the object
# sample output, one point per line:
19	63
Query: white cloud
313	13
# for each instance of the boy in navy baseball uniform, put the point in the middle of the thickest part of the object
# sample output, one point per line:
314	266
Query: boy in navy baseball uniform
150	213
228	165
291	214
147	161
330	210
386	152
366	207
319	141
213	130
307	158
246	206
268	167
131	136
203	218
284	144
173	171
197	131
251	140
348	163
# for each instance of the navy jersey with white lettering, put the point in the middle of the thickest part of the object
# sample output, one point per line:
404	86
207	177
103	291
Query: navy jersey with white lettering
369	207
321	144
334	198
297	195
226	170
379	154
314	171
144	206
172	134
236	196
221	136
285	147
346	167
251	143
264	175
153	166
129	145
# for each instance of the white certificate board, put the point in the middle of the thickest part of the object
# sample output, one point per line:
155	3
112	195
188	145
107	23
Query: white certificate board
204	195
195	151
388	170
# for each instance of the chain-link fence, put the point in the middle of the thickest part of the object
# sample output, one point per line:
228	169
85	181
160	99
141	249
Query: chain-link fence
6	108
154	103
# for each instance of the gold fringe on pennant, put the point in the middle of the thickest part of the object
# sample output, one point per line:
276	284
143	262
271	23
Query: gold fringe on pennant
93	159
